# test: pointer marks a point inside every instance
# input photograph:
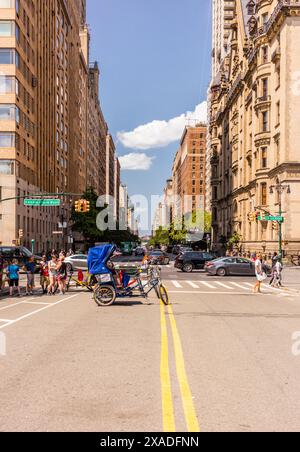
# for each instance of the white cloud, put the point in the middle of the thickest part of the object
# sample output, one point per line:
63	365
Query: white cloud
136	162
158	134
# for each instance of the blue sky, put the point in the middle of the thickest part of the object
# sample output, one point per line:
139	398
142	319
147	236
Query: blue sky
154	57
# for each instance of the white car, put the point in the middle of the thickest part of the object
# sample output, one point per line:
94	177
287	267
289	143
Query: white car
77	262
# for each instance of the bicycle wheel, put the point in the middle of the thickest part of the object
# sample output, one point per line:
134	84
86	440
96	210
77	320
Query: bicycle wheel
156	288
105	295
164	296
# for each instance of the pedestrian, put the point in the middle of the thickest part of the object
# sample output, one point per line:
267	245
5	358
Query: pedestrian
44	273
13	272
29	267
277	276
260	275
52	268
62	275
275	258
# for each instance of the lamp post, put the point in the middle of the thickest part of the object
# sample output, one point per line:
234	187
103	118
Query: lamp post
280	188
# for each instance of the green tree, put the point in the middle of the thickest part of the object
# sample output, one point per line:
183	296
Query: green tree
85	223
234	241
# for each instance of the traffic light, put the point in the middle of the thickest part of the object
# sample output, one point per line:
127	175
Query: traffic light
87	206
253	216
82	206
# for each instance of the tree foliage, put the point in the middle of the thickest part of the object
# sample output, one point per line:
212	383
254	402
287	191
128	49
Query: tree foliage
86	224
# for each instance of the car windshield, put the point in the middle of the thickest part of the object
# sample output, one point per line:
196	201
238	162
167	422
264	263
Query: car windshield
26	252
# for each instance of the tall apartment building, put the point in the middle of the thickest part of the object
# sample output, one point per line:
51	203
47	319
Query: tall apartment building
98	131
189	172
223	12
117	183
255	127
47	104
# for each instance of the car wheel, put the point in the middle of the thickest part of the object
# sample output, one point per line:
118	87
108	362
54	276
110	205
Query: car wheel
188	268
221	272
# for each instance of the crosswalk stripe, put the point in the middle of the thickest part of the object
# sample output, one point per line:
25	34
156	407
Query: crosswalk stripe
249	284
190	283
223	285
240	286
271	288
207	284
177	285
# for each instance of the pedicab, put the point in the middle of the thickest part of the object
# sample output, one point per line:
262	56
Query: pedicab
113	284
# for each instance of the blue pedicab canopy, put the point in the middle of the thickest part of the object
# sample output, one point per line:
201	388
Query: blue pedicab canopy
98	257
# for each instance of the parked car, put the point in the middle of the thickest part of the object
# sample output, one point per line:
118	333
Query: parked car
139	251
77	262
176	250
230	266
170	249
159	257
18	253
193	260
186	249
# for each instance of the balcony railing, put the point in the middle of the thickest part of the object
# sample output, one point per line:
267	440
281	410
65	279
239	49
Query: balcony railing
262	101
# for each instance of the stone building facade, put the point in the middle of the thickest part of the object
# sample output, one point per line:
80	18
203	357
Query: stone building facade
254	127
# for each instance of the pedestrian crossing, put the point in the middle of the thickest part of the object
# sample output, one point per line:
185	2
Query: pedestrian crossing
218	286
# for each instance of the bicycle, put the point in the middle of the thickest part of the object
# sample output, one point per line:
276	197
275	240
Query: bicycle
88	283
106	292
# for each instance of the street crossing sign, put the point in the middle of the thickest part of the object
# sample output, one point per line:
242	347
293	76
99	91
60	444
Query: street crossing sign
42	202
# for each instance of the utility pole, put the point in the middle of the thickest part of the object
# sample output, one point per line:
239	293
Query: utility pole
280	188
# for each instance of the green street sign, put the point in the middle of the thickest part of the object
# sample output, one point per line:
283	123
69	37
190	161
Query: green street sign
280	219
42	202
277	218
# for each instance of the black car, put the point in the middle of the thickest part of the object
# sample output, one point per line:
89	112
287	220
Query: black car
19	253
188	262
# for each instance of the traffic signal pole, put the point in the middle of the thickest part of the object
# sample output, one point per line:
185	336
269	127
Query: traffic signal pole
280	228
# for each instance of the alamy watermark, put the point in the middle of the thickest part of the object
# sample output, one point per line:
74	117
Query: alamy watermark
176	212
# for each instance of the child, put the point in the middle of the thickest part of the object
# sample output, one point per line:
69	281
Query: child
30	269
13	271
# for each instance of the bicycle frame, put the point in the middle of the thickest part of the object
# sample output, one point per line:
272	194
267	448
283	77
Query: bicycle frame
135	285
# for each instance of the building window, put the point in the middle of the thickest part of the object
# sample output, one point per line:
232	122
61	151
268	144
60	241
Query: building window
264	194
265	121
8	56
7	140
278	113
264	157
265	87
6	4
6	167
278	74
7	28
9	112
265	55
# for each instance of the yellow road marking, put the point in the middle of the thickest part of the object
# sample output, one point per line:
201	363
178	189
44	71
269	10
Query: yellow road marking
167	400
186	394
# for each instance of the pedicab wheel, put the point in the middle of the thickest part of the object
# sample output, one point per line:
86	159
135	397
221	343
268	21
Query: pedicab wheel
156	288
105	295
164	296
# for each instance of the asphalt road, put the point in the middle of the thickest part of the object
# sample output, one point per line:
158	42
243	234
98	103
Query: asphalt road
219	359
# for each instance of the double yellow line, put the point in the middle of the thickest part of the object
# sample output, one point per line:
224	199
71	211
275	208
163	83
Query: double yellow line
166	387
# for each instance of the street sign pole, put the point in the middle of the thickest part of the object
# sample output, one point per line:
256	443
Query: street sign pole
280	229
